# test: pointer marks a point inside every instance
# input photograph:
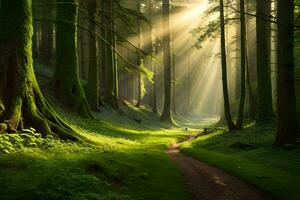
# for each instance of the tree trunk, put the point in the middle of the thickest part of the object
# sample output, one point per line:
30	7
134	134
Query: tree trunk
46	47
251	95
264	86
22	104
155	79
66	78
240	118
93	84
139	57
228	117
111	97
287	125
166	115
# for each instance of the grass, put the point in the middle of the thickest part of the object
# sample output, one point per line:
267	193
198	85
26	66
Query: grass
128	161
249	155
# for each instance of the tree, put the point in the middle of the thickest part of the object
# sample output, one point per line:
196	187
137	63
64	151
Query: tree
66	78
287	124
47	37
22	104
264	87
239	123
111	96
166	115
139	56
228	117
93	83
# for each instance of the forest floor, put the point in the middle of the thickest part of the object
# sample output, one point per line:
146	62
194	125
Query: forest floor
129	159
206	182
249	155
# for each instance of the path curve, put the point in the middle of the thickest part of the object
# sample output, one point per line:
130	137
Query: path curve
206	182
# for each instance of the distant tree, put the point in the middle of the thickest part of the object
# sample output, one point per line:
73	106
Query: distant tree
139	55
47	37
264	87
166	115
228	116
287	125
93	81
66	78
111	96
22	104
239	123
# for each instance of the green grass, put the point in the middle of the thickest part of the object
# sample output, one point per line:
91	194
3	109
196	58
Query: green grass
249	155
128	161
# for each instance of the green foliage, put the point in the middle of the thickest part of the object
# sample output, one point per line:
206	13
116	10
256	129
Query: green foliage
13	142
203	33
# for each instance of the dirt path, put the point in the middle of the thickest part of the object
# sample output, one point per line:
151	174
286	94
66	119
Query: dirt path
209	183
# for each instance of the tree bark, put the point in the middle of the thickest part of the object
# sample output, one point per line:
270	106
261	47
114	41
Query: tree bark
66	78
287	125
22	104
167	115
111	96
228	117
93	84
239	123
264	86
139	56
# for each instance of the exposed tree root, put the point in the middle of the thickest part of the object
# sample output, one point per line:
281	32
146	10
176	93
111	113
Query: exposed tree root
31	110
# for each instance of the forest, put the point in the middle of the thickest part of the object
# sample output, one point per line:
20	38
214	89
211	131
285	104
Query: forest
149	99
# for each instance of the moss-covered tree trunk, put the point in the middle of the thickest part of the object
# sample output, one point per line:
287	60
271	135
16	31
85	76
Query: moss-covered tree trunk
22	104
166	114
263	47
66	78
287	125
93	84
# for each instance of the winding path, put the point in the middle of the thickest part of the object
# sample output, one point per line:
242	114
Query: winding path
205	182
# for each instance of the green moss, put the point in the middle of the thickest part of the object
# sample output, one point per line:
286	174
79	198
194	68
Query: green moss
127	162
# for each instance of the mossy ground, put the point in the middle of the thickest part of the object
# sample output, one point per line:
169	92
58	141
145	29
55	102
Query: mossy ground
249	154
127	161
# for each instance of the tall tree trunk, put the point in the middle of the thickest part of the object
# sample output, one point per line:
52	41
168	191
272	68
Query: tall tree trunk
264	86
155	79
66	77
103	50
167	115
22	104
287	125
111	96
237	50
239	123
174	83
115	61
228	117
93	84
251	95
139	57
